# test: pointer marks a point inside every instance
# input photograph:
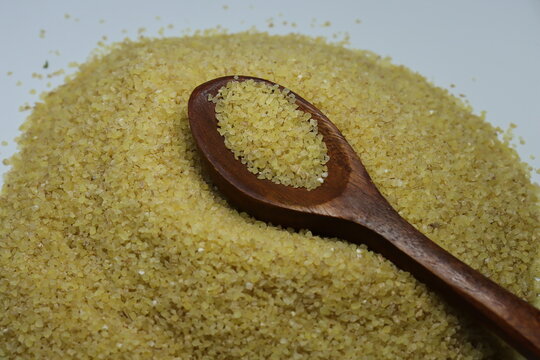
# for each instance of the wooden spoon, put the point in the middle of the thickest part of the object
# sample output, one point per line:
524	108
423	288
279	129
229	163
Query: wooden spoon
349	206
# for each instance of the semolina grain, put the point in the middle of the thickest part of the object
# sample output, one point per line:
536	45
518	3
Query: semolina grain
105	211
264	128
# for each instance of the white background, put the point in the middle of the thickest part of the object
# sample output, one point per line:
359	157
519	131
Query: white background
489	49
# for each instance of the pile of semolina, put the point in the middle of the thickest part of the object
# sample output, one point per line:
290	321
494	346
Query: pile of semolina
112	245
264	128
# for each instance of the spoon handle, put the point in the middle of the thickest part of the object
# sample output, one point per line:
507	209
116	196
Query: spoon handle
513	319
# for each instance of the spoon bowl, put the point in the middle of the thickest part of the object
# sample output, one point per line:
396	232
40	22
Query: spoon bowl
348	205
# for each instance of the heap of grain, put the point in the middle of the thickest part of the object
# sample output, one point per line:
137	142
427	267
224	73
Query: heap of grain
264	128
113	246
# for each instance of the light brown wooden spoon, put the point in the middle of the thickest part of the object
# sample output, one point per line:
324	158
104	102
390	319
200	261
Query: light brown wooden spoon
349	206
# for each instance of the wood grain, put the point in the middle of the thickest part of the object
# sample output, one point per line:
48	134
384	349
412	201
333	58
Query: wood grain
348	205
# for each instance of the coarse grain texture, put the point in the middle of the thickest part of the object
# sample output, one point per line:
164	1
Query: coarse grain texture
265	130
112	245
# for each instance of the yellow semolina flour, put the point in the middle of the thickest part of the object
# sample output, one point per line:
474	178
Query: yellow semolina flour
113	246
264	128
